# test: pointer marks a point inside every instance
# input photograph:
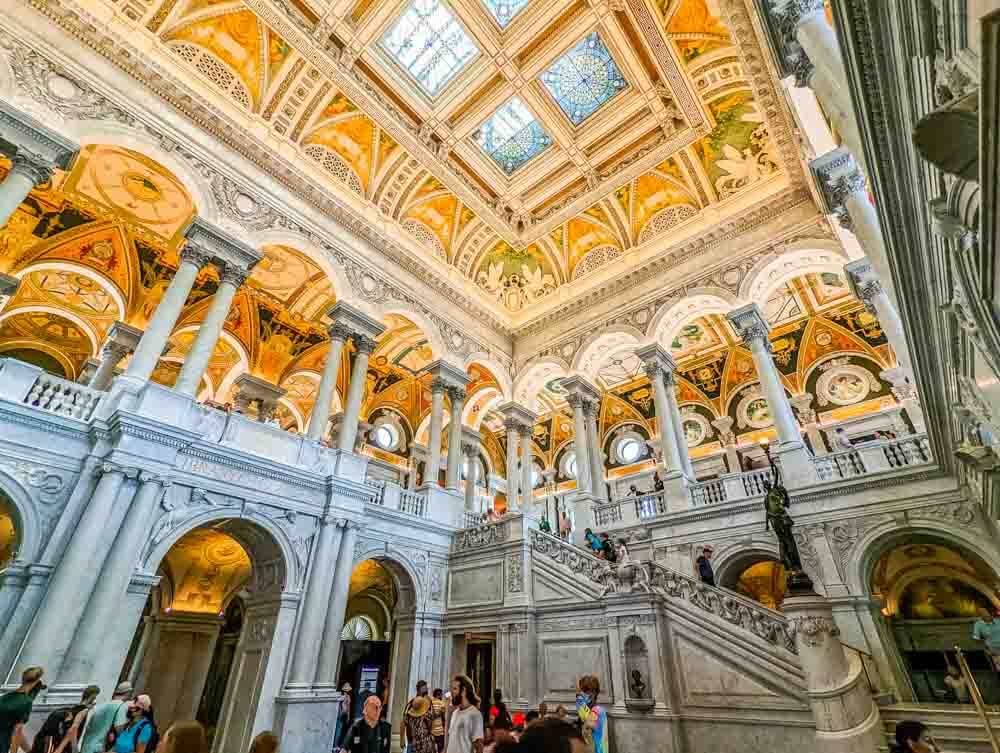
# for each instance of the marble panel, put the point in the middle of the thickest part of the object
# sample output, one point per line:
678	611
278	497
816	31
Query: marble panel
747	736
566	659
476	586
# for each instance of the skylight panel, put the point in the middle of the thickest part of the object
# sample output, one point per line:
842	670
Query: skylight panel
505	10
430	44
584	78
512	136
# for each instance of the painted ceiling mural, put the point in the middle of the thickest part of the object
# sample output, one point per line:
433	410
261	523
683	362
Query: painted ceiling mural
556	162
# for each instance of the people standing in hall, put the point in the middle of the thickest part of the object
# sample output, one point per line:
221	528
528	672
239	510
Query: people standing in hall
987	630
498	710
139	734
439	710
103	717
550	735
565	526
416	734
421	692
465	732
184	737
703	567
88	700
58	733
369	734
343	711
15	709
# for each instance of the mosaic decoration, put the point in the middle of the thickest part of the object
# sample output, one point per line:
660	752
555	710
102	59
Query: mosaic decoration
515	277
739	151
430	44
584	79
512	136
505	10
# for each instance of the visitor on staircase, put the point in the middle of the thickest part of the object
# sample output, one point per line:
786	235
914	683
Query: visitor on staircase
703	567
913	737
103	717
15	709
987	630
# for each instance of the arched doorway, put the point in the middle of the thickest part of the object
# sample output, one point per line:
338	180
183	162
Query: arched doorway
382	602
10	535
764	582
203	649
932	592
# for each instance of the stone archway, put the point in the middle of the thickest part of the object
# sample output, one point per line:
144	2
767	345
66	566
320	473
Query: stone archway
216	610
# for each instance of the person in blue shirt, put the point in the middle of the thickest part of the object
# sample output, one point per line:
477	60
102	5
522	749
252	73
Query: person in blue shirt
593	541
138	734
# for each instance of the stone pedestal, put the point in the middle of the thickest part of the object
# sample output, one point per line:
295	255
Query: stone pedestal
847	719
306	723
581	510
675	492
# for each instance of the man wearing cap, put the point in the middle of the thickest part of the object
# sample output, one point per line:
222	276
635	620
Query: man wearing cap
102	717
703	565
15	708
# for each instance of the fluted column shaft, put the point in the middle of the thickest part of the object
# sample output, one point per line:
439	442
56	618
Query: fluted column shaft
527	467
111	356
457	397
668	434
583	472
316	603
592	413
86	652
320	415
209	332
683	454
434	442
513	481
355	392
774	390
147	354
73	580
329	654
27	171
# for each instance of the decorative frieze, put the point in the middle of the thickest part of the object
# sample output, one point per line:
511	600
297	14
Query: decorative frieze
478	538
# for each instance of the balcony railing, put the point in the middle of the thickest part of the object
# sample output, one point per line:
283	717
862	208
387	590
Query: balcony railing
873	457
474	519
412	503
642	507
708	492
62	397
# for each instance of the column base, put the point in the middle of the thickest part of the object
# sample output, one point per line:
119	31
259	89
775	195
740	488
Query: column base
797	469
306	721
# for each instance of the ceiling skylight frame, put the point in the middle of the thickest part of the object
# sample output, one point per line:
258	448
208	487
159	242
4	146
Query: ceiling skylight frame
511	121
575	65
497	8
433	26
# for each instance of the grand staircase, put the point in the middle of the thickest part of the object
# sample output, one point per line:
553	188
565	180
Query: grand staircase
956	728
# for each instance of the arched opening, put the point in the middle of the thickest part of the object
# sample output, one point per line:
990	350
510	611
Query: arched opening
10	533
38	358
203	647
764	582
932	594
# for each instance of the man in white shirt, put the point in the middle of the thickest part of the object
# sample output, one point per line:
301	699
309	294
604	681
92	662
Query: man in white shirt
465	732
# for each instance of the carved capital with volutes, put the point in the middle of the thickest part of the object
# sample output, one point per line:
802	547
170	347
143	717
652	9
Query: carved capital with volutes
196	255
751	326
37	168
575	401
512	425
364	344
456	394
591	408
846	185
339	331
438	386
233	275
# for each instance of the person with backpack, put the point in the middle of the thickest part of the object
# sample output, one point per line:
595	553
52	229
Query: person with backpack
103	718
57	733
139	734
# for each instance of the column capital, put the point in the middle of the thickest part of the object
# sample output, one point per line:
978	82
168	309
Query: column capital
363	343
339	331
21	133
470	442
222	247
518	413
512	425
356	321
837	176
251	388
452	376
195	254
792	12
591	408
148	477
656	361
233	274
803	406
863	282
576	401
37	168
123	337
580	386
750	325
456	394
438	386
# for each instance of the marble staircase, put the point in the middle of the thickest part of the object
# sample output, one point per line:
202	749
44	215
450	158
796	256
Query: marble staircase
956	728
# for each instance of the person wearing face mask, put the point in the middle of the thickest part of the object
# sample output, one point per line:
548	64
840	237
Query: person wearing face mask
465	731
139	735
15	708
913	737
369	734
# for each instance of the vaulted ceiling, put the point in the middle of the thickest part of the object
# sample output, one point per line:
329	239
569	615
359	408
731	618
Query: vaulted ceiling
527	144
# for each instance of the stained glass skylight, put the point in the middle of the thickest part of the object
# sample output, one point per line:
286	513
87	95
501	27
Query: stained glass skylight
505	10
584	78
430	44
512	136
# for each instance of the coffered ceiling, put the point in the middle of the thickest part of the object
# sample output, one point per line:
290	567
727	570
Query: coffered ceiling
525	143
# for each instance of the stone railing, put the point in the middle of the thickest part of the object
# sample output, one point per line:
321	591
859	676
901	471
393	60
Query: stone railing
836	465
737	610
708	492
571	557
412	503
646	505
874	457
483	536
62	397
473	519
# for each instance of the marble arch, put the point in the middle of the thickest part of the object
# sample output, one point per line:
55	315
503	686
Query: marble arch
409	584
421	322
27	524
799	259
699	302
106	133
730	561
83	271
599	346
530	383
501	374
486	400
298	242
60	312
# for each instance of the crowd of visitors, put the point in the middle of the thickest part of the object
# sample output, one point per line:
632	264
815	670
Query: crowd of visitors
125	724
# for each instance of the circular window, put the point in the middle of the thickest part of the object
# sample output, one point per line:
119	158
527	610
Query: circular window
357	629
386	437
629	450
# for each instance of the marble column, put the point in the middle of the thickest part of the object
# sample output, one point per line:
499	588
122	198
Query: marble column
457	397
752	327
27	171
592	415
724	425
433	468
680	437
13	580
198	357
580	444
527	468
320	416
329	652
120	342
513	480
470	450
315	603
102	615
653	362
869	289
807	417
355	392
161	325
73	580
